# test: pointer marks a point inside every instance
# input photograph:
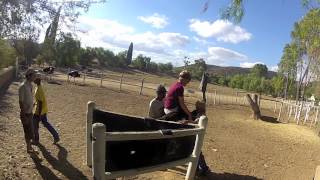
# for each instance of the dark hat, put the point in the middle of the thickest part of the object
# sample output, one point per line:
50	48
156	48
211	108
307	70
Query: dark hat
30	72
161	89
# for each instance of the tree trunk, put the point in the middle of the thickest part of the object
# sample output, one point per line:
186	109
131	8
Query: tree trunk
254	106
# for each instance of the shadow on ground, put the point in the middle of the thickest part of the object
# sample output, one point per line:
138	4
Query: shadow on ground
61	164
214	176
269	119
227	176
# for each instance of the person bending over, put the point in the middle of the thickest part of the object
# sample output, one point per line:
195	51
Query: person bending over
174	101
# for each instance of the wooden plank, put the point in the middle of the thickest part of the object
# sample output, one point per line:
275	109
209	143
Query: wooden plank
99	151
132	172
126	136
90	107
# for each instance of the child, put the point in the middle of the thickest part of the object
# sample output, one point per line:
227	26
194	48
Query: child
200	110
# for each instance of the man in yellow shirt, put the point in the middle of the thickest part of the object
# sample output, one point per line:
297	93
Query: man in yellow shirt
40	113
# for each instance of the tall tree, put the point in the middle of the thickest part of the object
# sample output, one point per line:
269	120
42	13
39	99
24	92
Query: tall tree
17	16
259	70
129	54
306	36
68	51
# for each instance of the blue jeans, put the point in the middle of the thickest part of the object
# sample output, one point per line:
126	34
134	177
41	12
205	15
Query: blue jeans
44	120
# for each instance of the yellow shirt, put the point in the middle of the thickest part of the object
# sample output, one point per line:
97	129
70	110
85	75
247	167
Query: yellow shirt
40	96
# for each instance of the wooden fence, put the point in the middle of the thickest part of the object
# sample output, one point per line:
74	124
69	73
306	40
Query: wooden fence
97	137
302	112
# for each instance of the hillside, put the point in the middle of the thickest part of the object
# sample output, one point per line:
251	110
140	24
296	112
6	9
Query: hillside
230	71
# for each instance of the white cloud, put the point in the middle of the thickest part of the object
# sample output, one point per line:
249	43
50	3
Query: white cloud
106	33
156	20
214	55
222	30
202	41
273	68
225	54
161	47
249	64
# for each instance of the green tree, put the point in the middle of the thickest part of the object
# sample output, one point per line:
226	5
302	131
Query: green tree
141	62
277	83
121	59
237	81
129	54
68	51
19	16
7	54
85	57
259	70
165	68
306	36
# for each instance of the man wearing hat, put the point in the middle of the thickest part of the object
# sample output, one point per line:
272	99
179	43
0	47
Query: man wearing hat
156	107
40	112
26	106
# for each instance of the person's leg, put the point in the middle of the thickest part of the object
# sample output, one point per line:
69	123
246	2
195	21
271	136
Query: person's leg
202	165
46	124
204	96
36	120
26	121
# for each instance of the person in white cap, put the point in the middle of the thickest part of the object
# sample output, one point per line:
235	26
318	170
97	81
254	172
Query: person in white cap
26	106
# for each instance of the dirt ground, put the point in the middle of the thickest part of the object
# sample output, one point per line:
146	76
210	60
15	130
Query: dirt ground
235	147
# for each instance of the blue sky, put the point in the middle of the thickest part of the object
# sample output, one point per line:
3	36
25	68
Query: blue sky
168	30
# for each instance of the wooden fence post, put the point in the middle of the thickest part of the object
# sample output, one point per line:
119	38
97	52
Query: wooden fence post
121	81
90	107
299	112
99	151
307	113
68	79
280	111
215	97
101	79
316	118
237	94
290	112
84	77
141	86
17	67
197	149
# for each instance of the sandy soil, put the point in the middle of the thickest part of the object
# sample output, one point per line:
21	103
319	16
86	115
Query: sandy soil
235	147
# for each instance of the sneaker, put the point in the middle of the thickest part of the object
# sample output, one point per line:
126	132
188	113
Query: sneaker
36	143
32	151
203	172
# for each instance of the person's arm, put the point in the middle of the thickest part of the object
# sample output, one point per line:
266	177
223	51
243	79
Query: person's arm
21	99
39	100
184	108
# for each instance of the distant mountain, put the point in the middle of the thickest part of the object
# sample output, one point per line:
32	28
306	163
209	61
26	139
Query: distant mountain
230	71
